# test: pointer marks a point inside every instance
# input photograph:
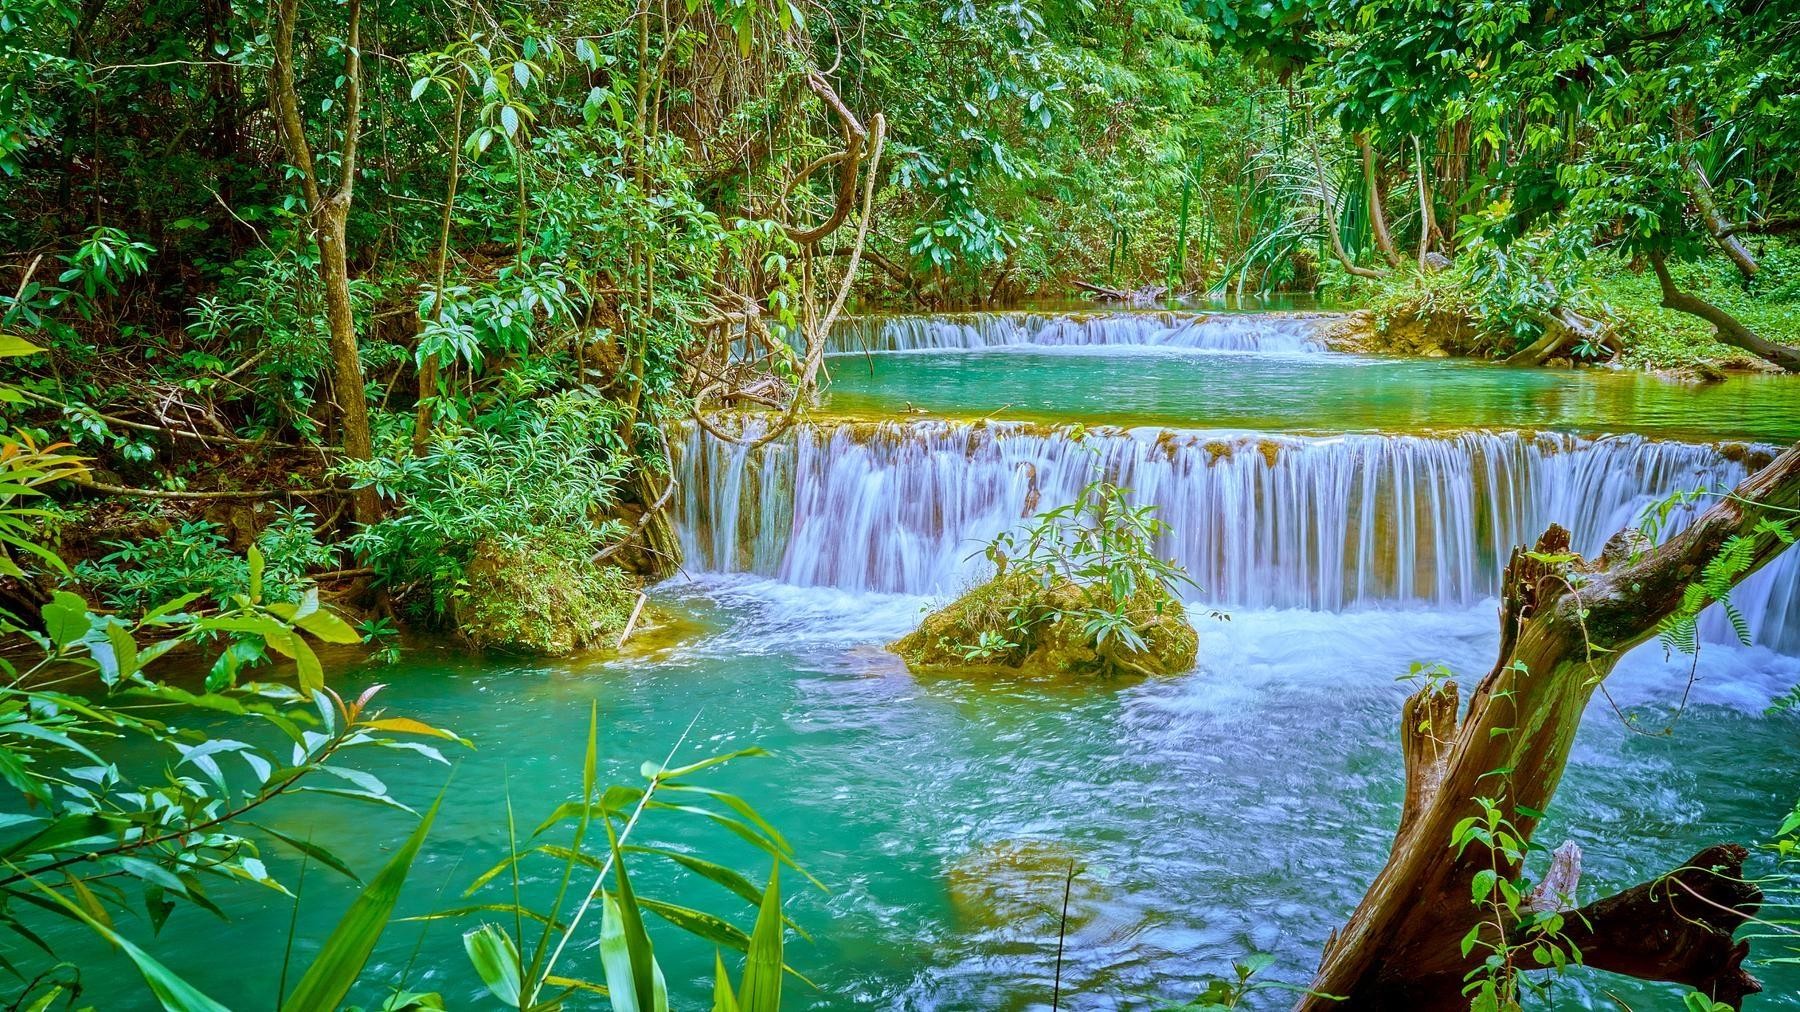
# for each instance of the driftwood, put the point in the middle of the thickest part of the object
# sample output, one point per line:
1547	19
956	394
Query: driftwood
1562	631
1149	295
1562	326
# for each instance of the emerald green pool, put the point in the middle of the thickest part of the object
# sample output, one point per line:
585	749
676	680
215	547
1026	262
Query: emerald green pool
1240	807
1308	393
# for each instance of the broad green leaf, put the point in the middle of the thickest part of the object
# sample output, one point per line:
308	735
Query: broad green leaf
341	961
761	988
12	346
327	626
640	970
65	618
496	960
622	979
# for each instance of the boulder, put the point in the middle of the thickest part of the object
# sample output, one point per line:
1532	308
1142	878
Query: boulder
525	600
1014	623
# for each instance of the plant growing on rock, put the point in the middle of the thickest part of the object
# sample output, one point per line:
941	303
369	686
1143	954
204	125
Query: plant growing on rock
1080	589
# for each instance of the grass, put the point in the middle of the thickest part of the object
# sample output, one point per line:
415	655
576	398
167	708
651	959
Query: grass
1662	338
1629	297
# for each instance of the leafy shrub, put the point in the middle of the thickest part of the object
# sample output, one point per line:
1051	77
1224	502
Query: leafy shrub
196	558
540	479
1080	589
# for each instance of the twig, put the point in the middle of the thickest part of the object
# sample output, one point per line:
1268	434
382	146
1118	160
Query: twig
151	493
637	528
631	623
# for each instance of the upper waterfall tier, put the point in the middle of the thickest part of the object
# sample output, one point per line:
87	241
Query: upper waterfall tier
1265	332
1319	523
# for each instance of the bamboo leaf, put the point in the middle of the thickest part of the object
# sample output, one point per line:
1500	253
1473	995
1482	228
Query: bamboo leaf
174	993
496	960
339	963
761	988
723	999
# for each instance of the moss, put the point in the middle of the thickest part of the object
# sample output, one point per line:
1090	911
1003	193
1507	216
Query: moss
1003	885
1032	632
537	602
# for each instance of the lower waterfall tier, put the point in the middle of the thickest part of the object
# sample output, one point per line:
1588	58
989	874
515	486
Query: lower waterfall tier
1259	521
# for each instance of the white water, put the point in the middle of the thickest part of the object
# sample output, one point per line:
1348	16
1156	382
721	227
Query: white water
1262	332
1324	524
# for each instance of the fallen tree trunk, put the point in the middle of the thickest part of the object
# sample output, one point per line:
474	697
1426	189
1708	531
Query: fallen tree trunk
1562	326
1564	624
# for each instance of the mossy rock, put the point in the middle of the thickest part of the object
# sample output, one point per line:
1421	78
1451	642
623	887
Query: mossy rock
1017	886
1056	642
537	602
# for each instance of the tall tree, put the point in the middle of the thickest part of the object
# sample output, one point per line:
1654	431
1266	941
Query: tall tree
328	211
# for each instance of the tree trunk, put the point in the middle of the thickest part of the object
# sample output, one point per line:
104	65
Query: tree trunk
1729	330
1378	223
1560	327
1328	204
1427	217
329	215
1700	188
1562	631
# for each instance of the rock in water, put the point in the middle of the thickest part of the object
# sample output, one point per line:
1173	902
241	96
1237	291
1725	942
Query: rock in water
1014	623
537	602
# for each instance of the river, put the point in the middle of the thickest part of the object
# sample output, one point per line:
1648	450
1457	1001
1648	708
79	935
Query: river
1346	513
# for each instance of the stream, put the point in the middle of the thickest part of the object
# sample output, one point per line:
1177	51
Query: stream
1348	514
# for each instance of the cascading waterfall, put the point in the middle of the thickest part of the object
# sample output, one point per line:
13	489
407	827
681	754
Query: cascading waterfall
1266	332
1291	522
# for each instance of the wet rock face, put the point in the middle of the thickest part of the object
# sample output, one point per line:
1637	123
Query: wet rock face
1015	624
1411	331
534	602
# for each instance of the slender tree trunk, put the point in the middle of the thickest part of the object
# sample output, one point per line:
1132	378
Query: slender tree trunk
1700	188
1427	217
428	364
1378	223
1562	631
329	215
1728	329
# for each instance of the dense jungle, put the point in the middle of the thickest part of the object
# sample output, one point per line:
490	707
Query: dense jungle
916	504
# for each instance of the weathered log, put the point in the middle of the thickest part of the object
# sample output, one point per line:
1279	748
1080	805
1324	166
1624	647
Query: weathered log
1676	928
1561	326
1564	624
1427	726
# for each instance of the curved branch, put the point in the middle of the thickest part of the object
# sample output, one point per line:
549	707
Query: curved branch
1729	329
855	137
815	345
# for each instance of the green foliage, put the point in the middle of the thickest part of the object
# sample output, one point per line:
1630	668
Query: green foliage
1679	630
1078	589
1512	929
1105	546
101	833
194	557
537	479
523	973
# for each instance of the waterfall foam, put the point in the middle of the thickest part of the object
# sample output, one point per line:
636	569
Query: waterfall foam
1327	523
1264	332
